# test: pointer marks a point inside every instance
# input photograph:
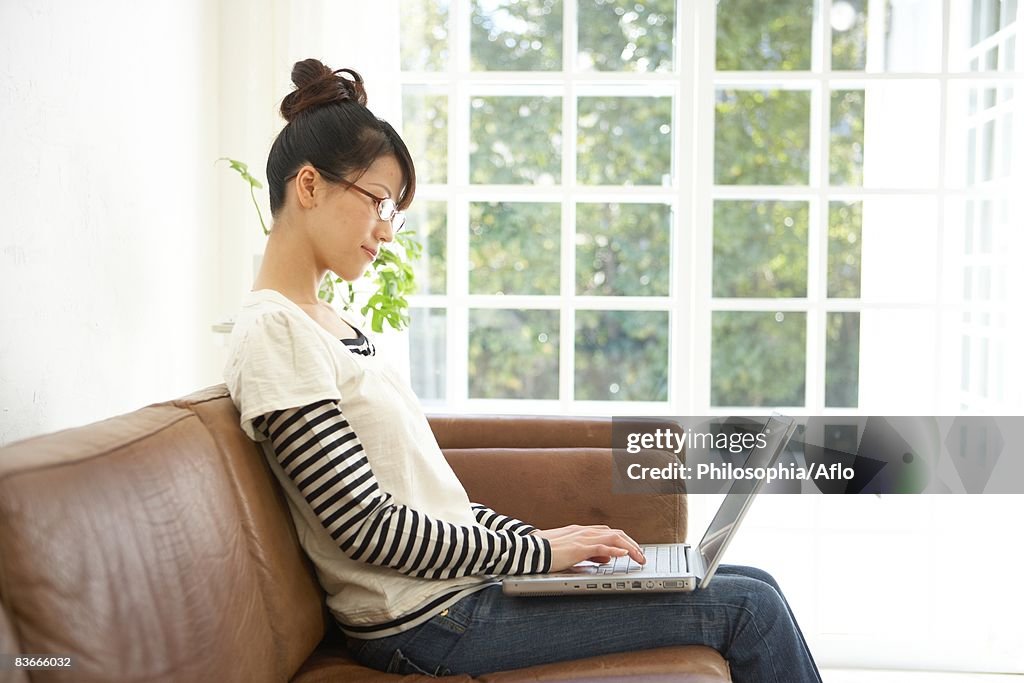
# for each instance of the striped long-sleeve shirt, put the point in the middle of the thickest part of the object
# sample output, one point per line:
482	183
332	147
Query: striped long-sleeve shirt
320	452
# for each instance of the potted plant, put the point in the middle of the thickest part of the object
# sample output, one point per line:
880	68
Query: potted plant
392	275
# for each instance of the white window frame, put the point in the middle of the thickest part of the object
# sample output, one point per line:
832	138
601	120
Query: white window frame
691	195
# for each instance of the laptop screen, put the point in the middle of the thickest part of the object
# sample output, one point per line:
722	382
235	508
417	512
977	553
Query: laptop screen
775	431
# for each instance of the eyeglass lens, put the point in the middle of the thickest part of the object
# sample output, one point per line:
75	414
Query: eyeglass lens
388	211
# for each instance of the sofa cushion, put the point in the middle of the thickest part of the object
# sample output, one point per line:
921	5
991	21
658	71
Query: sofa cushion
683	664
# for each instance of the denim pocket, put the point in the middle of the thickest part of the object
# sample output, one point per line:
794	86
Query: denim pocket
400	664
452	619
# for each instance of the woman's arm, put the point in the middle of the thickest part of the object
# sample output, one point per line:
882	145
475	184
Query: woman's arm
494	521
317	448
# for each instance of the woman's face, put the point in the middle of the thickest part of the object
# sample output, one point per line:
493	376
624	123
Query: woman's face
348	229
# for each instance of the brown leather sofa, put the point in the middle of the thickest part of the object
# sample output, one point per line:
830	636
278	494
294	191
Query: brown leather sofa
155	546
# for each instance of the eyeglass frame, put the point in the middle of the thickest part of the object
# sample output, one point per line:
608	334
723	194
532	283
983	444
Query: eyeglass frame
395	213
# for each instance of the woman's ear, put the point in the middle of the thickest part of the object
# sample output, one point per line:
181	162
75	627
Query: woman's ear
305	184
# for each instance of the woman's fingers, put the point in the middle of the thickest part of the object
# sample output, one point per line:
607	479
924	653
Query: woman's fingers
600	543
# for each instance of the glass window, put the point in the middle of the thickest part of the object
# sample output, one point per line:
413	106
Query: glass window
624	141
760	249
621	356
428	342
762	137
757	358
754	35
515	140
844	237
425	132
513	354
846	138
618	36
424	35
516	35
623	249
900	133
514	248
842	359
427	221
848	24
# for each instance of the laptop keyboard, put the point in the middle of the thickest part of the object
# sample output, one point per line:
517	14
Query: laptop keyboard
660	559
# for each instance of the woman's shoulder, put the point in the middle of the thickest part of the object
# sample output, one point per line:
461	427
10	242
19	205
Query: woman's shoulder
267	322
268	309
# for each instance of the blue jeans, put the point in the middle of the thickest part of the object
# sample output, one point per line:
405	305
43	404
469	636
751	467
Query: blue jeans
742	614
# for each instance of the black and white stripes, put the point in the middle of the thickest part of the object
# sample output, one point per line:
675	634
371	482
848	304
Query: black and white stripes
360	344
317	448
490	519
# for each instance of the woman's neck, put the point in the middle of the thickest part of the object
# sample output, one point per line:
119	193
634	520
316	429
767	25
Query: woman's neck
288	266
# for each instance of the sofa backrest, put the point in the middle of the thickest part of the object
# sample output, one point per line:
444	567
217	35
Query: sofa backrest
155	546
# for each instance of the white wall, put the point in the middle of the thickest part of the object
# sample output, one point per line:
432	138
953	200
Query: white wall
109	237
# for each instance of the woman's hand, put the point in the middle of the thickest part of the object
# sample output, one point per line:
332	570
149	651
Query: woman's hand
597	543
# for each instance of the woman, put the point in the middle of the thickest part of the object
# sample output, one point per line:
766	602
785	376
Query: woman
404	556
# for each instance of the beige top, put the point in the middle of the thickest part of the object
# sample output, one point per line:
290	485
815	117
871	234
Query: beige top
280	358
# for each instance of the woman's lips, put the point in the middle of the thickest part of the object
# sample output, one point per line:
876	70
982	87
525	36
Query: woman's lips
369	253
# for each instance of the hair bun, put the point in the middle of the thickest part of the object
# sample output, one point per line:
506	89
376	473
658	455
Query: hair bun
316	85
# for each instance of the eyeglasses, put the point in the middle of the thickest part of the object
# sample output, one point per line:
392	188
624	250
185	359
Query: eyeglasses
386	207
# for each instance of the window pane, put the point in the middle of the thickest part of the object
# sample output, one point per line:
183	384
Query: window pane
424	35
987	151
755	35
1008	54
842	360
901	133
429	221
427	360
515	140
514	248
981	142
897	361
972	23
757	358
762	137
760	249
623	249
849	34
513	354
624	141
910	35
616	36
425	132
846	150
516	35
899	249
621	356
844	238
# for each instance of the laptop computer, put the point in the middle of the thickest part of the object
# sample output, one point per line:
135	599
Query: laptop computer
670	567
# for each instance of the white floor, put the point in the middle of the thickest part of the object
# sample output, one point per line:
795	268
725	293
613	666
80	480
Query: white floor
879	676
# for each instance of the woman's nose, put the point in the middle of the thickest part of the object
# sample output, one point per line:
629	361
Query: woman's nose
383	231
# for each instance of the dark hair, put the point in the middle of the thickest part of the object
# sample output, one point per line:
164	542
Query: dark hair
330	128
